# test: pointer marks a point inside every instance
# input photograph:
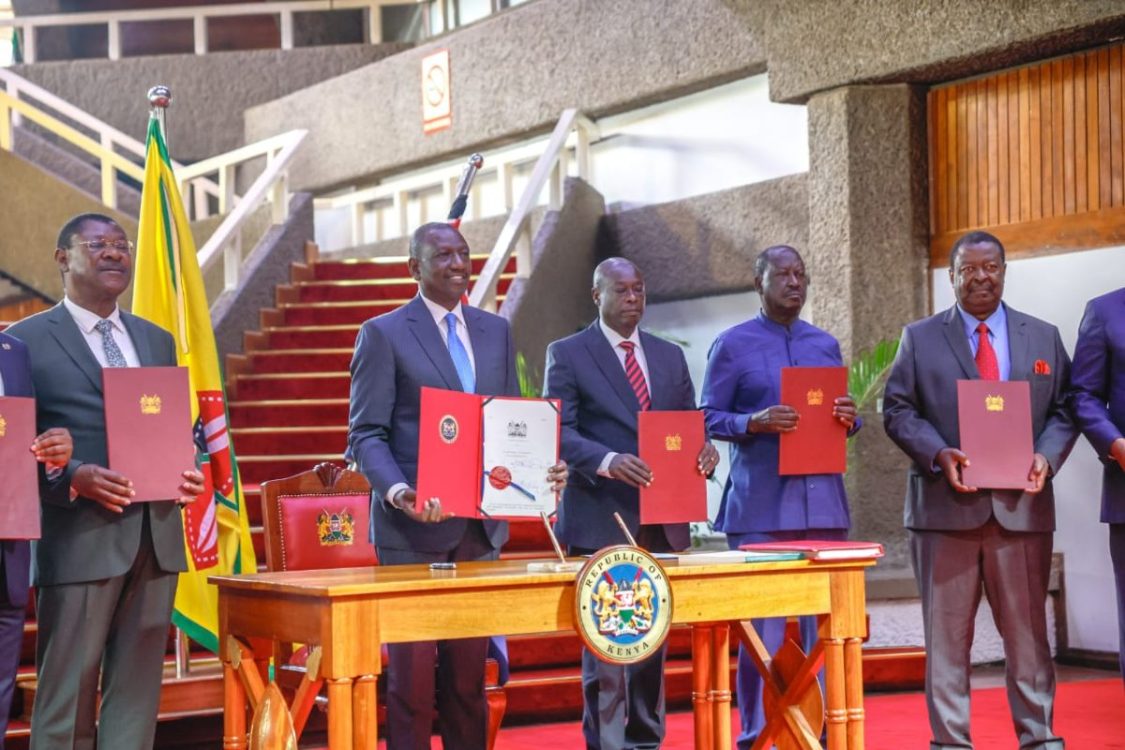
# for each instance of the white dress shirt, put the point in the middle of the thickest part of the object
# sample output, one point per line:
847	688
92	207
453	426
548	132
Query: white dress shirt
615	340
462	329
86	321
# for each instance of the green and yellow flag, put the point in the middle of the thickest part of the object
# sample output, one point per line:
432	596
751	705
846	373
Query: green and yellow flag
168	290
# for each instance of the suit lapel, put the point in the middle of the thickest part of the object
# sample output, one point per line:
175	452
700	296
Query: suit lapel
606	360
138	337
955	335
422	325
65	331
1019	347
482	351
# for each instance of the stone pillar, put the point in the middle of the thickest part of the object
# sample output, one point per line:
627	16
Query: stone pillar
868	259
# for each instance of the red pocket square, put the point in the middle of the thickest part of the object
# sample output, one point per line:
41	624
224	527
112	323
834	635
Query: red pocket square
1041	367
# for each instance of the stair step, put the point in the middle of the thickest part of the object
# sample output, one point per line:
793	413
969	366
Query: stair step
336	313
277	360
261	441
382	268
299	337
365	289
263	468
305	385
288	412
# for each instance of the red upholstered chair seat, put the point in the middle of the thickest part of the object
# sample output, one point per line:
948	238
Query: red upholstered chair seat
328	530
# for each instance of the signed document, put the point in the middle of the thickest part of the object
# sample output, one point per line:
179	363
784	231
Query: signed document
994	417
520	443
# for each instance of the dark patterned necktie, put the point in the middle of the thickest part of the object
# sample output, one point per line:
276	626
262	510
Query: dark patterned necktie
113	355
635	375
987	365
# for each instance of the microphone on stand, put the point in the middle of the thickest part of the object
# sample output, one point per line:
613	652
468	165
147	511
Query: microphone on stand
464	185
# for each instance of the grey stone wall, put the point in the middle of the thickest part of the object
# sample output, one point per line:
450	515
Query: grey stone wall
210	91
815	45
265	267
512	75
706	245
555	301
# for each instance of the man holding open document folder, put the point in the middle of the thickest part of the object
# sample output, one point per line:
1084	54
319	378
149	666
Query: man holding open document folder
603	376
962	537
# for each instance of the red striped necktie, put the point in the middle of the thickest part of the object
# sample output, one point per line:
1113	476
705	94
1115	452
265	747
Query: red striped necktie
987	365
635	375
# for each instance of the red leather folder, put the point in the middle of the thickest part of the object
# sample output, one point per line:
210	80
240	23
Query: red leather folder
148	428
449	451
995	422
819	445
814	549
19	478
669	442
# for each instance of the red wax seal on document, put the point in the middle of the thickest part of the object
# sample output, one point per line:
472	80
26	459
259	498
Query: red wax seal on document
500	477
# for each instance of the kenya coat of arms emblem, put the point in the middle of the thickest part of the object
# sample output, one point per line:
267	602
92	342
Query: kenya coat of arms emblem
623	605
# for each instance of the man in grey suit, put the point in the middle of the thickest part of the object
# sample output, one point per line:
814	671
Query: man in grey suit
962	537
604	375
105	568
433	341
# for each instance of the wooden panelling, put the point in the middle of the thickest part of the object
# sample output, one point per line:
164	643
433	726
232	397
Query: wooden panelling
1035	155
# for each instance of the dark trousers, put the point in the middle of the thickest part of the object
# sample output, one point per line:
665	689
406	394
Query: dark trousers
1011	567
459	685
11	639
623	705
117	627
1117	555
748	682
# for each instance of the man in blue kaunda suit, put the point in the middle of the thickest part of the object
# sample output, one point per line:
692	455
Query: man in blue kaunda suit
432	341
603	376
53	449
965	540
741	400
1097	397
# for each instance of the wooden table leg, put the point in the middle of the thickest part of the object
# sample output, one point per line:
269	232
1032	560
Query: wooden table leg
834	678
340	734
365	713
701	680
234	710
853	691
720	686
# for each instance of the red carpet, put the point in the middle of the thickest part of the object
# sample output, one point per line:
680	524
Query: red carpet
1088	715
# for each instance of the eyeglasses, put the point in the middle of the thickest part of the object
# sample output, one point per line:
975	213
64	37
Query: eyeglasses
123	246
990	269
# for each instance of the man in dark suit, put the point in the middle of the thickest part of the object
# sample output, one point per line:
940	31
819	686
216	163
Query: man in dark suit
53	449
105	568
433	341
1097	395
603	376
962	537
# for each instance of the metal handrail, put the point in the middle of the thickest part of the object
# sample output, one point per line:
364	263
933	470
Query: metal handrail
550	171
273	183
285	11
103	145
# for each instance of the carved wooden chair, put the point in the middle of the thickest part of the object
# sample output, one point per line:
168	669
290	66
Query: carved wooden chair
319	519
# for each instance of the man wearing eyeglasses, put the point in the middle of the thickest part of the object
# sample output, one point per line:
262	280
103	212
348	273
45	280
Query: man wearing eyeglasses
105	568
966	539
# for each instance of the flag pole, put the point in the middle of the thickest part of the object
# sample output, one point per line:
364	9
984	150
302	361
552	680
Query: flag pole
159	99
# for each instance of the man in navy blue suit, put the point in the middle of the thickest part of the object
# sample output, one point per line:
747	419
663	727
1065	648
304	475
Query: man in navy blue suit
1097	381
603	376
433	341
742	403
53	448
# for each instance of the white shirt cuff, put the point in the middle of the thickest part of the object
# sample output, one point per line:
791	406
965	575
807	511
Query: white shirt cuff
603	469
394	490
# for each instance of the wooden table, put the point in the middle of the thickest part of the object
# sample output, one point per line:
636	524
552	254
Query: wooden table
349	612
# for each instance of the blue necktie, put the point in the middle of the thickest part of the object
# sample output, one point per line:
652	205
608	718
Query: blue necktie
459	355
